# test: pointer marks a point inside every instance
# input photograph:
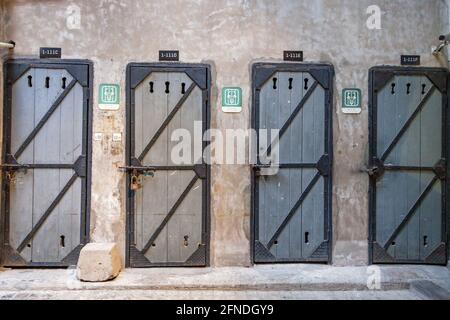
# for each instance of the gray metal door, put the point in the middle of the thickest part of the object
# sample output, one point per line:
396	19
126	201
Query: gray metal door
44	199
168	198
292	208
408	165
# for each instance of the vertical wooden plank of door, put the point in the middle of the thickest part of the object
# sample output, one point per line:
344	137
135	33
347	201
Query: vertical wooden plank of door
317	194
413	141
284	111
21	192
46	181
308	174
386	130
77	209
261	181
272	188
430	235
385	126
296	156
178	180
138	120
406	152
154	191
186	224
69	209
399	200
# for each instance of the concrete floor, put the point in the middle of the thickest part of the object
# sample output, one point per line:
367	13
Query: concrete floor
261	282
210	295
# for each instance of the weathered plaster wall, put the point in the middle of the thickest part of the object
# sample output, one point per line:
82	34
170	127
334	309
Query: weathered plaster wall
230	34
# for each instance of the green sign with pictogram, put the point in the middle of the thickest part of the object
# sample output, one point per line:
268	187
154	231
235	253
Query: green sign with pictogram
231	99
109	97
351	101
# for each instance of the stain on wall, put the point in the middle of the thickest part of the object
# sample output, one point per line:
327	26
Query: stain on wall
230	34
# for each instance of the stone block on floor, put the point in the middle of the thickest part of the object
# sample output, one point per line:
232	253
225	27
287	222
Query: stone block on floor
99	262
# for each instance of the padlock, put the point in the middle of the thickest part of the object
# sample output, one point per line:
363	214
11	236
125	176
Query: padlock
135	182
11	176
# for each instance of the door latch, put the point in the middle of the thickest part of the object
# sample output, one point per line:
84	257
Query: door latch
13	167
136	173
139	170
11	170
136	182
376	170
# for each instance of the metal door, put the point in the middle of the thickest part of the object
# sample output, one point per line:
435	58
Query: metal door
292	208
168	200
45	162
408	165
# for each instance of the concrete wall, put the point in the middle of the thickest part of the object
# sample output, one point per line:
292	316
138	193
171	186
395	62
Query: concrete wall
230	34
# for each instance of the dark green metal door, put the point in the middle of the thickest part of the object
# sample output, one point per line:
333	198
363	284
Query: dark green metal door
408	165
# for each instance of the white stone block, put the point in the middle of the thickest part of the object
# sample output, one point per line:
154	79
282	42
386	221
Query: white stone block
99	262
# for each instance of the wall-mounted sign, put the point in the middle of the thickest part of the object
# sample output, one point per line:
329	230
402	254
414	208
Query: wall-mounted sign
45	53
293	56
410	60
117	137
169	55
109	97
351	101
98	136
231	99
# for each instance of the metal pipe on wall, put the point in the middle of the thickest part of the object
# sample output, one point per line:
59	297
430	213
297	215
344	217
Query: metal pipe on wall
9	45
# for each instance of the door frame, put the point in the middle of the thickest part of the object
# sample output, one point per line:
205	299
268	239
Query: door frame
129	114
323	73
387	72
17	65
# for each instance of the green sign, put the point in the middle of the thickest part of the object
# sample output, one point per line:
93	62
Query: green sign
231	99
351	101
109	96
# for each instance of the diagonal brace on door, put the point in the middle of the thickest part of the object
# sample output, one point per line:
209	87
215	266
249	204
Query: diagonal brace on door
293	210
293	116
407	124
410	213
47	116
170	214
47	213
166	122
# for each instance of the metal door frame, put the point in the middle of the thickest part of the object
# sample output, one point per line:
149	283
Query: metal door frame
323	73
15	68
386	73
144	70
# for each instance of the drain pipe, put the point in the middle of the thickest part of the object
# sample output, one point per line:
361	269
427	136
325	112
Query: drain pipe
9	45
